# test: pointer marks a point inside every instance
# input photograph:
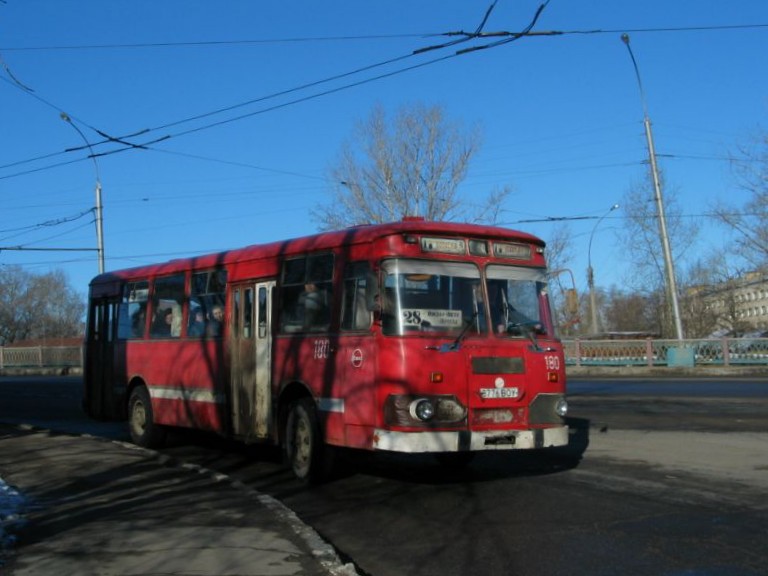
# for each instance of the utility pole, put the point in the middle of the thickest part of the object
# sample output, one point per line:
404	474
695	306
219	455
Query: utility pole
669	269
98	213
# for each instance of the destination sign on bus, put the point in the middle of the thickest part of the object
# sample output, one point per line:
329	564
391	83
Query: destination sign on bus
427	316
445	245
509	250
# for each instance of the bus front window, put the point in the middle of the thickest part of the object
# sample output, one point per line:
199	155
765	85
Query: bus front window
517	299
428	296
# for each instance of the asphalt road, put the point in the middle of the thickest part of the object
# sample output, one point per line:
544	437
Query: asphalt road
675	404
652	483
692	388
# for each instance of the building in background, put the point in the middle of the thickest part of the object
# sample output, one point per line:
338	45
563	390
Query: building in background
736	307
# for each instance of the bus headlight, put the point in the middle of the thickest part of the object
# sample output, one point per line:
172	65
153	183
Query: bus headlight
410	410
561	408
422	409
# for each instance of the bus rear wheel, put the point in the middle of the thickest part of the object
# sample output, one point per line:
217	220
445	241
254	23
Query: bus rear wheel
141	420
307	455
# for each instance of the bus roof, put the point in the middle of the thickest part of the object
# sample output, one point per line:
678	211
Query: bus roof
324	240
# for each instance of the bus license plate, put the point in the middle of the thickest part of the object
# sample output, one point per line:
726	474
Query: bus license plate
498	393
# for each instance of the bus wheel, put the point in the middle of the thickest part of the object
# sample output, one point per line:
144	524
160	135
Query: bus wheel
141	421
305	450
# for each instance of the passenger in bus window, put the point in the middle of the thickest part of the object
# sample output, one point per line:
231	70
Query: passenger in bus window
383	308
216	322
162	325
197	326
499	306
313	302
507	316
175	320
138	322
362	316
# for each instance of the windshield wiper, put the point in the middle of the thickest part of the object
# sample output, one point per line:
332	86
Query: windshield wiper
456	344
532	327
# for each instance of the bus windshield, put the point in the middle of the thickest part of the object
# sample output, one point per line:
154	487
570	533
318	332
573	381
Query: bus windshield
448	297
423	296
517	299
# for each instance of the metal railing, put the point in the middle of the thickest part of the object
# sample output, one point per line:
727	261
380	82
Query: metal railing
657	352
41	357
648	352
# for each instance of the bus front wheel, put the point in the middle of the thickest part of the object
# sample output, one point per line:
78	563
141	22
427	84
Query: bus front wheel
141	420
307	455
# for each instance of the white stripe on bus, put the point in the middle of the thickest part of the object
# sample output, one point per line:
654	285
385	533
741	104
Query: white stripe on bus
331	405
206	396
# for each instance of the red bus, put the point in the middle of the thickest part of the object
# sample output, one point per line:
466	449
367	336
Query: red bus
412	336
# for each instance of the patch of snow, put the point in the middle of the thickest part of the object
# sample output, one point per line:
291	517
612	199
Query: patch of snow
11	517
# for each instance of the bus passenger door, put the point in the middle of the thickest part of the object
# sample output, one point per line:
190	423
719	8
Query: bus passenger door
99	401
264	295
250	391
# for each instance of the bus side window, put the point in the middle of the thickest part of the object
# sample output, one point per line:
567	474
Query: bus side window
317	296
132	314
167	307
306	294
206	304
356	314
248	313
293	276
262	314
242	326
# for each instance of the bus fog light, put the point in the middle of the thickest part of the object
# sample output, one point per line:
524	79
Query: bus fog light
422	409
561	408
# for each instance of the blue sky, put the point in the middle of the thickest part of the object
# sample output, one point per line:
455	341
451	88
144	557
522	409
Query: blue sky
561	115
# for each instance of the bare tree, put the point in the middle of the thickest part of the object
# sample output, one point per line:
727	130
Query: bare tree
38	306
565	305
559	247
749	223
640	236
409	166
701	319
632	311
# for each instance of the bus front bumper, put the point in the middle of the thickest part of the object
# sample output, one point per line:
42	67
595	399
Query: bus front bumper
464	440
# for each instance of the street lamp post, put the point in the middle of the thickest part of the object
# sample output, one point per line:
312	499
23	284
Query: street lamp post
99	224
671	284
590	272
